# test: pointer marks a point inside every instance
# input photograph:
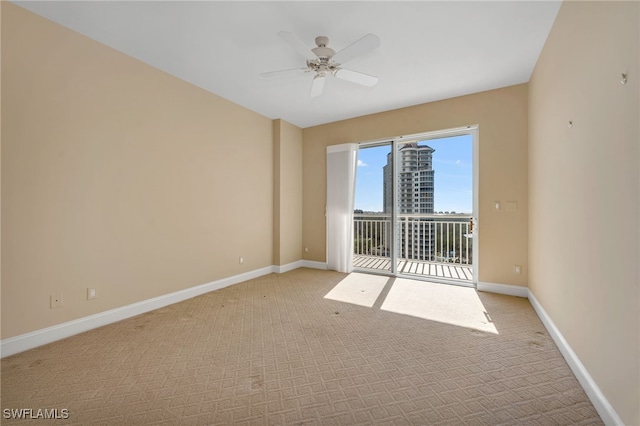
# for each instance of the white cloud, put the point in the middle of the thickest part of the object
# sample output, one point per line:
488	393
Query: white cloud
362	163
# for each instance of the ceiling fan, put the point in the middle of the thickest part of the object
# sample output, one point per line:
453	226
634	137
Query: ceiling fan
323	61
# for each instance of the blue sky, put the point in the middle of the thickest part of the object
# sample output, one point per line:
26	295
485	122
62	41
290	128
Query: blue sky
452	162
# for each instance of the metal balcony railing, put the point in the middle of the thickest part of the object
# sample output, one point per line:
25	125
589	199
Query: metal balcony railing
423	237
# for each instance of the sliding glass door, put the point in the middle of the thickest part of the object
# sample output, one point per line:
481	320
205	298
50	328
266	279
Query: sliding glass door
414	207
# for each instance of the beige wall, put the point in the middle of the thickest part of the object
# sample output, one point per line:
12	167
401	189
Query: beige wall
502	117
287	190
119	177
584	192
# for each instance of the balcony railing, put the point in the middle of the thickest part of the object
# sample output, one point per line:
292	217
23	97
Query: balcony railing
421	237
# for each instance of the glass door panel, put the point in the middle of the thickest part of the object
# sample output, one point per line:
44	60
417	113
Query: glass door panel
373	237
434	208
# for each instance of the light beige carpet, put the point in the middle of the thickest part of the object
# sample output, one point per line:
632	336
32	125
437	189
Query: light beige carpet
276	351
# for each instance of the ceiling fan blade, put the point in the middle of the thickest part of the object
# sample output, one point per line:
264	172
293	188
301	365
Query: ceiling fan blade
283	73
365	45
317	85
297	45
356	77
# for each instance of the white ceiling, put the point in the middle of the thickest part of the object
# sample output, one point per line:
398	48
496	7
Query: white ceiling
429	50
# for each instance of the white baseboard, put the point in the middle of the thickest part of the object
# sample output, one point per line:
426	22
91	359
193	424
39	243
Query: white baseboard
510	290
280	269
299	264
14	345
599	401
313	264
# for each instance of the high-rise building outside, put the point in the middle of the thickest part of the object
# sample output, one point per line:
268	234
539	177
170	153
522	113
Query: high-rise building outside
415	180
414	197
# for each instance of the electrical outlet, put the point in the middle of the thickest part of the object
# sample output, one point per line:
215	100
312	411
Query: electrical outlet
241	260
306	249
517	269
91	293
56	300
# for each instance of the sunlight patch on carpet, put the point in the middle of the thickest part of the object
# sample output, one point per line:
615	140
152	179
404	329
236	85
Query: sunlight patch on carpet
358	289
447	304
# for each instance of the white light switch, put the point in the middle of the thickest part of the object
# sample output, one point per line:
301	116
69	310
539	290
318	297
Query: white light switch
496	205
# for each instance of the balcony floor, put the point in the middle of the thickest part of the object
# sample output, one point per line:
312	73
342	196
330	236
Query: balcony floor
421	268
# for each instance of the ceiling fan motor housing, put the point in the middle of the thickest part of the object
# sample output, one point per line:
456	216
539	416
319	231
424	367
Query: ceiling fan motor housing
323	64
322	51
